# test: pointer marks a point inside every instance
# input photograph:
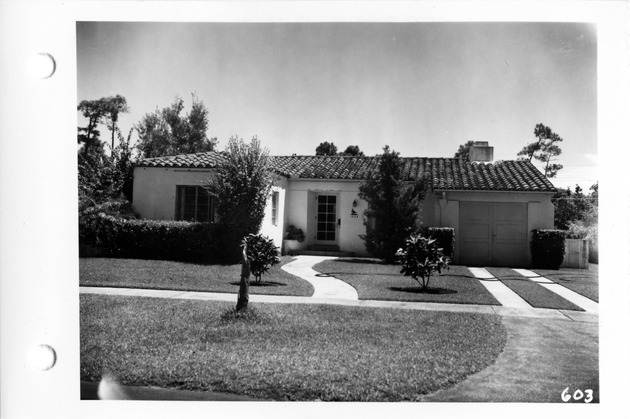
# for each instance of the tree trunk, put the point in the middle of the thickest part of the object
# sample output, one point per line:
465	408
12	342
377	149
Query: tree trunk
113	132
243	291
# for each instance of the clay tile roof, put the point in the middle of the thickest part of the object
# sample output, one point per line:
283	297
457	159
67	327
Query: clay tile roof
198	160
441	173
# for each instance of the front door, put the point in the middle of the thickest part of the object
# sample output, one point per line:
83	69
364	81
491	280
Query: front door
326	219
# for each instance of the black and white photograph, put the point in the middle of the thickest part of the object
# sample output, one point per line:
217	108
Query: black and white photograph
357	211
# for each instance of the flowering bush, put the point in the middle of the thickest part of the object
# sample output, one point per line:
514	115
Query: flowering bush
444	237
420	258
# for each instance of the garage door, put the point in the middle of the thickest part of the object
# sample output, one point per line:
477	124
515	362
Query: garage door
493	234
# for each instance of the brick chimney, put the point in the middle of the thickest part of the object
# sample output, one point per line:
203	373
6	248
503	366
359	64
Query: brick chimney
481	152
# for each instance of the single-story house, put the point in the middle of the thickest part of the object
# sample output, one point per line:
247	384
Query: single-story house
493	206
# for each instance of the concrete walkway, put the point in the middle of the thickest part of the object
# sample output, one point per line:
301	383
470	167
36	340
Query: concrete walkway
325	286
542	313
572	296
330	290
499	290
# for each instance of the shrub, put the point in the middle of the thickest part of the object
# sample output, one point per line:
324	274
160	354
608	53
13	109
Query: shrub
94	223
444	237
420	258
150	239
586	230
577	231
262	254
547	248
294	233
169	240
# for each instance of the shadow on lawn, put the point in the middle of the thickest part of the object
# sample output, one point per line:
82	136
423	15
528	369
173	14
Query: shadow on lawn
360	260
420	290
262	284
348	273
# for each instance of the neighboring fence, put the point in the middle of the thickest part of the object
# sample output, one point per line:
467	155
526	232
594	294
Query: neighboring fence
575	254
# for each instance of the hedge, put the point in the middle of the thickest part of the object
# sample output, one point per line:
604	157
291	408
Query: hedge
445	237
151	239
547	248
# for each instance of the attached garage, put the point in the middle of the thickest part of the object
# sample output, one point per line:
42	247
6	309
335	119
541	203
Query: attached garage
493	234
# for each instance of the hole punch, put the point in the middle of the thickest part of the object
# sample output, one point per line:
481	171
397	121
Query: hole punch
43	357
42	65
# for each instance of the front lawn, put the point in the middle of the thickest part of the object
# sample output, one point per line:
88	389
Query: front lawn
285	352
582	281
535	294
162	274
376	281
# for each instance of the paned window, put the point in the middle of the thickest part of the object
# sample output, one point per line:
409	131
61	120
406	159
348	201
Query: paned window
194	204
274	208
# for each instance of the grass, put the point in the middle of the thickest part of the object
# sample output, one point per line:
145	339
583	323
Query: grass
535	294
376	281
284	352
582	281
162	274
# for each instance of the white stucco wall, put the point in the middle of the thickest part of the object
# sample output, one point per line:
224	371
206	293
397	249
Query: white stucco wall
155	188
154	195
301	211
276	231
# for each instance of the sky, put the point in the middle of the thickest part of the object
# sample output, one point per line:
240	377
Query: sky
421	88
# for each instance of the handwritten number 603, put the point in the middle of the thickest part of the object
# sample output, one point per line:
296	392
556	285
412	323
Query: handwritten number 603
577	395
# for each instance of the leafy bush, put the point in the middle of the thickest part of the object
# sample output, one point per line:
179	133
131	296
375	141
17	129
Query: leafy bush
294	233
262	254
94	230
586	230
576	231
149	239
547	248
420	258
444	237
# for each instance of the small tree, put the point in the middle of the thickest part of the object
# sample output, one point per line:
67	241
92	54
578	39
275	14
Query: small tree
463	152
241	186
352	150
103	110
103	177
393	207
95	112
242	301
168	132
115	106
326	149
261	253
545	149
420	257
